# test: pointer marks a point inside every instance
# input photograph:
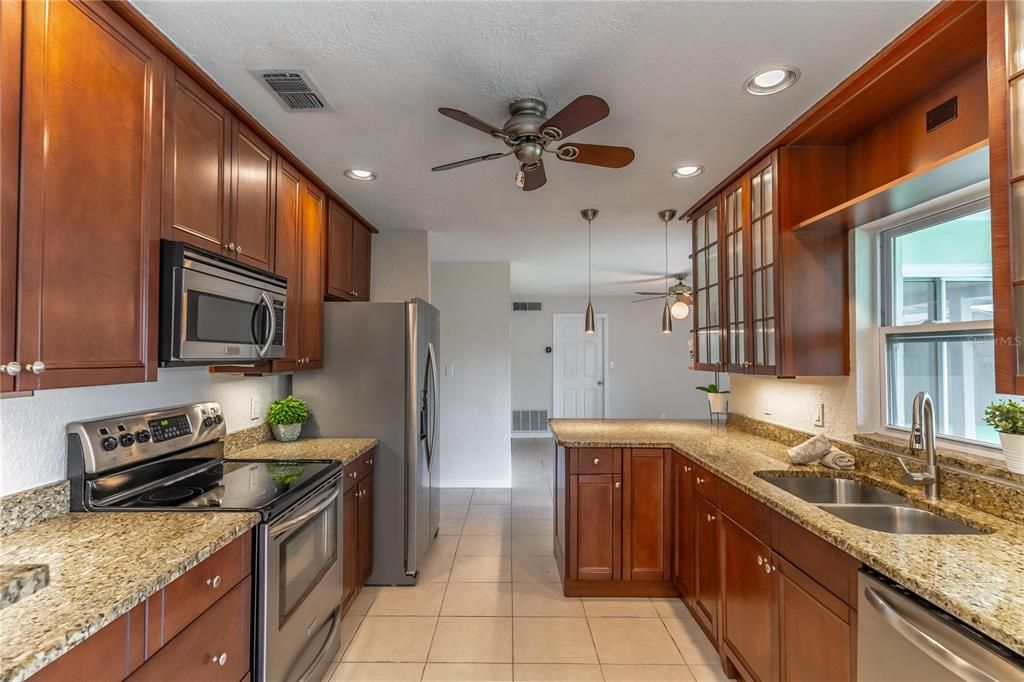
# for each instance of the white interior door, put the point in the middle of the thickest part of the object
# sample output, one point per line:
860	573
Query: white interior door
579	368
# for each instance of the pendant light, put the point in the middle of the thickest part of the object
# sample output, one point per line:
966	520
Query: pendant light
589	214
666	312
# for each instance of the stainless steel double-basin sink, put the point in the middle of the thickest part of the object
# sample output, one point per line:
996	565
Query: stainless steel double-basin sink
866	505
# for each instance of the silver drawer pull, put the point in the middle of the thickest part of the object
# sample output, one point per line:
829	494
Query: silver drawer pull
220	659
597	460
352	474
214	582
11	368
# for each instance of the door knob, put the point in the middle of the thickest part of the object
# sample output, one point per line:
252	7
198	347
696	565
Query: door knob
11	368
36	367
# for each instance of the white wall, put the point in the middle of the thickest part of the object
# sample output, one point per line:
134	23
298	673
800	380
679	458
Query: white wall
650	377
32	442
475	304
401	265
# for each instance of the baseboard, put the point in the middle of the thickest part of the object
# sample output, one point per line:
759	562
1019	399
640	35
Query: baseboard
533	434
619	588
477	484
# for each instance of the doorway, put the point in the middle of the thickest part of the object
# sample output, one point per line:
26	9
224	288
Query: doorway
579	367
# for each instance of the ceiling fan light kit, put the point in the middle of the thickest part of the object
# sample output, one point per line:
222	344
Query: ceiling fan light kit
588	319
529	134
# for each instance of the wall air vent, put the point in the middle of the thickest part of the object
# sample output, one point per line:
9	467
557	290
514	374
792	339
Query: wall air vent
293	87
525	306
525	421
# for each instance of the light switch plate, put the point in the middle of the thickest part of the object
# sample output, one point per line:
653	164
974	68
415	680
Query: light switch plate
819	415
254	407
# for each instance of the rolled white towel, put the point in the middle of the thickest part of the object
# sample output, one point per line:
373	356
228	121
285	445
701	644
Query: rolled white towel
837	459
810	450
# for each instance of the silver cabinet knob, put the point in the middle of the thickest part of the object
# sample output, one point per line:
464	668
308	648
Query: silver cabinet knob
214	582
36	367
711	517
231	246
238	249
597	460
352	474
220	659
767	568
11	368
370	462
687	468
618	484
699	480
760	560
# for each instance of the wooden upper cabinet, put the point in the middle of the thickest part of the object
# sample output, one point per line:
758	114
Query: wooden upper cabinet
10	144
339	252
735	276
361	255
288	256
313	210
707	320
762	327
88	238
197	188
252	199
646	515
1005	22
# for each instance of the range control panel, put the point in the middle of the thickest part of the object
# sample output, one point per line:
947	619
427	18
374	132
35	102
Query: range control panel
105	444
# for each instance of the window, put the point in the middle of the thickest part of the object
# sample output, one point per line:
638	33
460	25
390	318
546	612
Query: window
937	321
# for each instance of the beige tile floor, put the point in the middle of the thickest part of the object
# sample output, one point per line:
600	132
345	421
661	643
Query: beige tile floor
489	605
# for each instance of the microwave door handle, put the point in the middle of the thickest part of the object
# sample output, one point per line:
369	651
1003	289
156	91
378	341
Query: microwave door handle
265	300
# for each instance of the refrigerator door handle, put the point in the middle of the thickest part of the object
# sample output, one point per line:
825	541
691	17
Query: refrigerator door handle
432	418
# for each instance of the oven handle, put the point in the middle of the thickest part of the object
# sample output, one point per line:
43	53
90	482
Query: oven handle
265	299
315	663
925	642
304	516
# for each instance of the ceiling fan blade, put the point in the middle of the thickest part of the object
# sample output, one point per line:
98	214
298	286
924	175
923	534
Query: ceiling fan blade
596	154
466	162
584	111
472	122
535	176
651	298
650	293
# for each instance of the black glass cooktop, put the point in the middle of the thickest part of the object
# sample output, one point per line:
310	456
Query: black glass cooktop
236	484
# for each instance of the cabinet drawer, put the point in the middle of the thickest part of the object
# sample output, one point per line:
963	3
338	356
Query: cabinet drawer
830	566
748	513
358	469
191	594
705	484
595	461
213	648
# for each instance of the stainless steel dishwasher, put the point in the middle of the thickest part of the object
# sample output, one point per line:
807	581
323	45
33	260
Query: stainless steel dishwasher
903	638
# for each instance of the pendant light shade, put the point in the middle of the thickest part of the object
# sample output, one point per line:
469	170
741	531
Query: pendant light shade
589	214
666	313
666	319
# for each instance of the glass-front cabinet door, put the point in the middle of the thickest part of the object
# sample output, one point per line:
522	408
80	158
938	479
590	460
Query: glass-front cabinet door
734	237
707	337
763	267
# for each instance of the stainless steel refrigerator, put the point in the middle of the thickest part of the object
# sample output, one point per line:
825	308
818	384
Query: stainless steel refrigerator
379	380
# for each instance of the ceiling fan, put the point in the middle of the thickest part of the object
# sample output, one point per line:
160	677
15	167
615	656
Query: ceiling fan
529	133
682	293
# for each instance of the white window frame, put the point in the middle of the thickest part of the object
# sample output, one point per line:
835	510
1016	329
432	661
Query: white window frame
884	312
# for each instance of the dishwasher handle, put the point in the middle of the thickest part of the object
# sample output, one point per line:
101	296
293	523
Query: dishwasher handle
939	652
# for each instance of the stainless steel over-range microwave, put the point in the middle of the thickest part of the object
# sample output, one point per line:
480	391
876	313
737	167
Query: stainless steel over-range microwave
214	310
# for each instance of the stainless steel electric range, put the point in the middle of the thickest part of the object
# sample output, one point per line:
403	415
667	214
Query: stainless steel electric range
173	460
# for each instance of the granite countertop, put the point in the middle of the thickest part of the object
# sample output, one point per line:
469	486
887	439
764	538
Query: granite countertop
977	578
100	566
342	449
18	581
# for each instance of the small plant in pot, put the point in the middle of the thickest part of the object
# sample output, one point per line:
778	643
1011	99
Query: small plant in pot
1007	417
717	399
286	417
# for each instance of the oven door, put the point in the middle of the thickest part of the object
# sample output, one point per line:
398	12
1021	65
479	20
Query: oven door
226	320
299	610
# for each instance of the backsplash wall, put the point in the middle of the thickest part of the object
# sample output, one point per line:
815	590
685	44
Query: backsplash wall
32	442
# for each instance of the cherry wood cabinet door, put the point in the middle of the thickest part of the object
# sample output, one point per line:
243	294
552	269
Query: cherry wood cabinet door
197	183
817	630
288	258
748	601
10	144
762	329
252	198
110	655
365	523
339	252
361	255
350	548
596	513
706	590
311	320
89	231
684	562
646	515
706	351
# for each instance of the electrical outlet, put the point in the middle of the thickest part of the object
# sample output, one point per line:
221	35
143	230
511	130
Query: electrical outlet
254	407
611	364
819	415
766	403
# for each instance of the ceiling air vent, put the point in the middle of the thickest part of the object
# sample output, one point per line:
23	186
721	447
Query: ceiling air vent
293	87
525	306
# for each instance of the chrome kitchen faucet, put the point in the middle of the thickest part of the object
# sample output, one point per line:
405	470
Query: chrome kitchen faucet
922	437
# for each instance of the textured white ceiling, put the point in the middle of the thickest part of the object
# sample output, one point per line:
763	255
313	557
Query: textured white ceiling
672	73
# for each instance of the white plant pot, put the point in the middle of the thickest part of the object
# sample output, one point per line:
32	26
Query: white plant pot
719	402
1013	451
286	432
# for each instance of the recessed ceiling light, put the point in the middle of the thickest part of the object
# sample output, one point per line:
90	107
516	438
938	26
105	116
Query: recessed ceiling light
687	171
770	81
360	174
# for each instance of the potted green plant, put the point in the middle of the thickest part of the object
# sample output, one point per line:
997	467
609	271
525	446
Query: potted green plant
1007	417
716	397
286	417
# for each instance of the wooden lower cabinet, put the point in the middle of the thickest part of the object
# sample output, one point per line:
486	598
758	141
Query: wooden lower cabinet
647	515
364	528
110	655
706	571
357	512
684	525
350	551
596	541
748	603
